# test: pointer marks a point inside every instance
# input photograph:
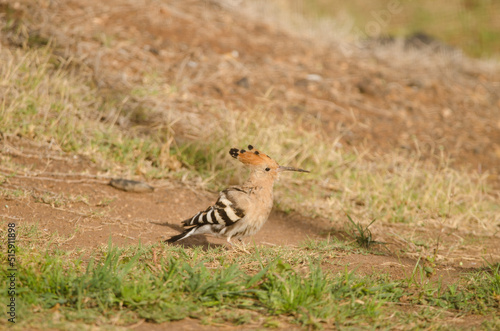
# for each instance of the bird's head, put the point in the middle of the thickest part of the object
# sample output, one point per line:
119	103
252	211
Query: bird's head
260	163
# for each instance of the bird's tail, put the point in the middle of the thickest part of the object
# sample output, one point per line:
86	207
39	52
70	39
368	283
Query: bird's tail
181	236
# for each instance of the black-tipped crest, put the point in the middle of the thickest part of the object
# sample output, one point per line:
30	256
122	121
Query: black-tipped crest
234	152
251	156
255	158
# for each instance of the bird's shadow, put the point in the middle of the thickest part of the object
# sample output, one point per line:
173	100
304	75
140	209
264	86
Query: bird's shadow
194	241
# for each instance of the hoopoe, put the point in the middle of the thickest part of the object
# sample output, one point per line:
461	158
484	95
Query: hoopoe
240	211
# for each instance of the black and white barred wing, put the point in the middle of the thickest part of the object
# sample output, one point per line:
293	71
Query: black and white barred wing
228	209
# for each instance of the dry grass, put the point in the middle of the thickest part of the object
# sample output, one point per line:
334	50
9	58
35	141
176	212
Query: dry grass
50	101
42	99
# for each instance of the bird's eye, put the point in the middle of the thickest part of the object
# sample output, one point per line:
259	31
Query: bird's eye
267	169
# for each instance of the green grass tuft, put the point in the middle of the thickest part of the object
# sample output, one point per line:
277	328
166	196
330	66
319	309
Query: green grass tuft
163	283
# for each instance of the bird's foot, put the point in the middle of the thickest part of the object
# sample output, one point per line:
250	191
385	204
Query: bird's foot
240	246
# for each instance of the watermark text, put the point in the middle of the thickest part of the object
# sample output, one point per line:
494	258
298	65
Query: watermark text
11	272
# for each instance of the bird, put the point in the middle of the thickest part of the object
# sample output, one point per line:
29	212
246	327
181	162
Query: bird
240	211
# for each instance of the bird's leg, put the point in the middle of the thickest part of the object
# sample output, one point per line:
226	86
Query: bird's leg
241	246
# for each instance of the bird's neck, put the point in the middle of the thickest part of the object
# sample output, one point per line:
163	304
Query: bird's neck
259	180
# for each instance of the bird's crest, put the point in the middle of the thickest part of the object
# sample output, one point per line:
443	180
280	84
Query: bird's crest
250	157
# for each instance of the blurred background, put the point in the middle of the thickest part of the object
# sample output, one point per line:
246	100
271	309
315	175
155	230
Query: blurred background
471	25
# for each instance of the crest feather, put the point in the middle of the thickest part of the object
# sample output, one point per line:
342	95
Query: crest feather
250	157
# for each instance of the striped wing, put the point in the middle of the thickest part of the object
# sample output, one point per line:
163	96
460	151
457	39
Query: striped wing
226	210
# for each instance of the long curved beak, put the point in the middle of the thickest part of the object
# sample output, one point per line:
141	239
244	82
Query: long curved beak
282	168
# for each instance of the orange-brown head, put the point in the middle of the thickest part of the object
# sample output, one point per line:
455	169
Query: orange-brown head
260	162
